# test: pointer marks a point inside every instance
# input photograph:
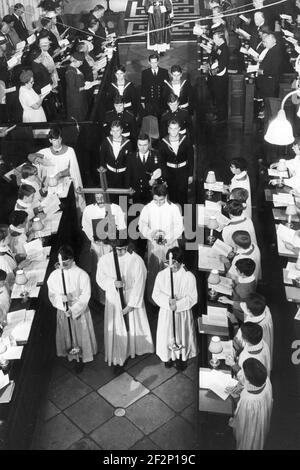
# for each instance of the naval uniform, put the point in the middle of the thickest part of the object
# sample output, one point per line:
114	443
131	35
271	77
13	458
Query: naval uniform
126	91
218	81
179	164
127	121
115	161
151	90
180	115
184	92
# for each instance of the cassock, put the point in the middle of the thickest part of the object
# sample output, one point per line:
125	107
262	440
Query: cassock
238	223
166	218
120	344
79	287
253	253
259	351
185	291
59	162
242	289
242	181
252	417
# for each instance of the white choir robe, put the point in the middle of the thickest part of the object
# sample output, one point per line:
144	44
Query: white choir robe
238	223
78	286
27	207
266	322
4	302
8	264
17	240
260	352
168	219
60	163
253	252
37	186
242	181
120	344
185	291
252	417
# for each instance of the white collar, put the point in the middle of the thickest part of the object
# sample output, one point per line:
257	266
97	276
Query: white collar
13	228
145	155
255	347
241	176
242	251
246	280
257	319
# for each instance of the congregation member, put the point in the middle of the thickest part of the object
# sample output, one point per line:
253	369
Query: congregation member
72	305
177	154
185	297
94	39
31	102
252	416
11	34
46	59
120	86
19	23
126	329
152	83
160	223
237	222
76	99
144	168
47	33
4	298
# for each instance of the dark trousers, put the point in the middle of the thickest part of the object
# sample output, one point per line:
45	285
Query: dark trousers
219	89
177	179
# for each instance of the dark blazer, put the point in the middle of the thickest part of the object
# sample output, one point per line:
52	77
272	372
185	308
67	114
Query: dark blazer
20	28
151	90
127	120
185	95
138	174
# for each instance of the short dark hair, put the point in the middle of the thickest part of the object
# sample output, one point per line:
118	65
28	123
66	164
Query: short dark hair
144	137
17	218
252	332
234	207
116	123
256	303
239	194
176	68
153	56
66	252
3	275
178	254
242	238
45	22
98	7
172	98
25	190
119	67
92	22
246	266
173	121
35	53
240	163
159	190
255	372
118	99
54	133
28	170
18	5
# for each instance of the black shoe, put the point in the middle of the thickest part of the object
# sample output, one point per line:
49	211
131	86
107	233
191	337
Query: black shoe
118	369
79	366
169	364
180	364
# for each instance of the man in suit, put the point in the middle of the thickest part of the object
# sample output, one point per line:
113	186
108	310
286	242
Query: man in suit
19	23
152	85
267	82
125	117
96	36
142	169
13	37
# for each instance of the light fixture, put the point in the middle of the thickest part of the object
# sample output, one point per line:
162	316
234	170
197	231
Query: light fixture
37	226
280	131
212	225
290	211
213	279
52	182
21	280
215	347
210	181
282	169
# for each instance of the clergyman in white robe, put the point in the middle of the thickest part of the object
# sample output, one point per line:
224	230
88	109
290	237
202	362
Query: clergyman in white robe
79	288
120	344
252	417
185	291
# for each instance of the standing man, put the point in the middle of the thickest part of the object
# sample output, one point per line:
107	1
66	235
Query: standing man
179	114
143	168
120	340
161	224
126	118
19	23
152	86
185	292
218	80
178	157
73	304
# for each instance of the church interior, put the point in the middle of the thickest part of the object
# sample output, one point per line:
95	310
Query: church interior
232	69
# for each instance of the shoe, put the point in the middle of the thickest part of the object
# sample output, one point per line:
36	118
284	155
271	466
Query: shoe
118	369
79	366
169	364
180	364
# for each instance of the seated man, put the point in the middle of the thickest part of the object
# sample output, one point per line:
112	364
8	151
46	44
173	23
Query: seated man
252	417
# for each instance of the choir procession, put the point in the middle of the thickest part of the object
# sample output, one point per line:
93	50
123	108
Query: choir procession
149	225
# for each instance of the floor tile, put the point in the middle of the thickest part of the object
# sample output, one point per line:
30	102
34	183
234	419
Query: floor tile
176	434
116	434
145	444
84	444
191	414
151	372
149	413
58	369
66	390
123	391
178	392
90	412
192	370
97	373
59	433
48	410
132	362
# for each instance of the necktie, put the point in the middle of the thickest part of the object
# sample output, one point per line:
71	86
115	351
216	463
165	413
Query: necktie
22	22
144	159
